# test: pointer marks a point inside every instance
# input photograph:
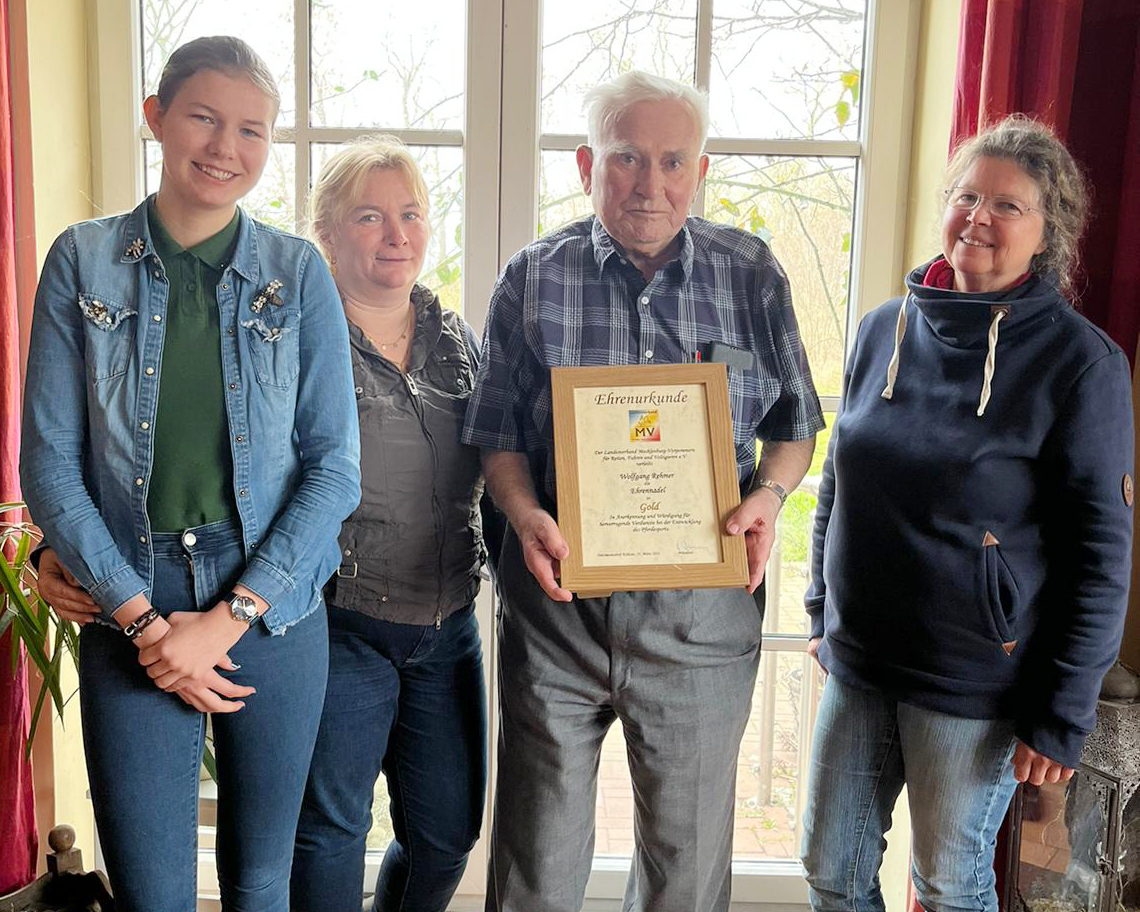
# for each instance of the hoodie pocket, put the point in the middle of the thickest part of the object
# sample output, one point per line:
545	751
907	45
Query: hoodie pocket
1001	595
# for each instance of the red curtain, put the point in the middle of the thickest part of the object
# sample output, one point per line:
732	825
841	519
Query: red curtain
18	845
1076	65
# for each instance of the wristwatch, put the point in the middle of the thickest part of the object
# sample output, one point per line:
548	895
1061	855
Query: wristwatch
242	608
773	486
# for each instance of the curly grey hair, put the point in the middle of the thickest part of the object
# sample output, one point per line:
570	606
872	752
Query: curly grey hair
1035	148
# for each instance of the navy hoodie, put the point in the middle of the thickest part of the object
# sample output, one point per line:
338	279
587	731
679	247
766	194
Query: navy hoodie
979	565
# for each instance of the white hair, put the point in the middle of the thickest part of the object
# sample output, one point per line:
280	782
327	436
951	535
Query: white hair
605	103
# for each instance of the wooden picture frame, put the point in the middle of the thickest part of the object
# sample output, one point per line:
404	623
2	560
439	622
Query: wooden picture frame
646	478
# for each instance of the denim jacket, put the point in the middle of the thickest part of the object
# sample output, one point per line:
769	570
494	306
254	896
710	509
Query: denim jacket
92	391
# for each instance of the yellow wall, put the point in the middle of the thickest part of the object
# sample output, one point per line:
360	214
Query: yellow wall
61	163
934	88
57	58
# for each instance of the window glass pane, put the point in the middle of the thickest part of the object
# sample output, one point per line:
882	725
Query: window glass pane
786	69
560	196
589	41
267	25
769	769
442	168
789	565
771	774
381	833
271	201
803	208
396	65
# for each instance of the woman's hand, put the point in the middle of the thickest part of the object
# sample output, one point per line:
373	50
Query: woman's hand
62	591
1036	769
184	658
813	651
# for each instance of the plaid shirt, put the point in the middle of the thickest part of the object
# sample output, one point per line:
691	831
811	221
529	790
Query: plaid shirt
572	299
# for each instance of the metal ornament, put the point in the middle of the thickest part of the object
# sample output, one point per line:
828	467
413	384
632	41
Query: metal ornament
268	295
135	248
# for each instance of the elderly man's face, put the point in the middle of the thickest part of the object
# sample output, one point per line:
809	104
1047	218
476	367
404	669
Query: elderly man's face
645	178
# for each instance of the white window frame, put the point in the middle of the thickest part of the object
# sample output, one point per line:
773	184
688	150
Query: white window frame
502	143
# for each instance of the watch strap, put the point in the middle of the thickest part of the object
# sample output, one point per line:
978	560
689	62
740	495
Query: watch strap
774	486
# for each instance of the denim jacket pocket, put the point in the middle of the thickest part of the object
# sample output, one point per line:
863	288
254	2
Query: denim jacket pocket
274	347
109	332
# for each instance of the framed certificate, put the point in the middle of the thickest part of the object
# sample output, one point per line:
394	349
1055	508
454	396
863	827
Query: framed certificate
646	475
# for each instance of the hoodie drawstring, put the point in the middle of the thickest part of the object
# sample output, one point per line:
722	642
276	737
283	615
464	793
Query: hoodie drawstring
893	366
999	313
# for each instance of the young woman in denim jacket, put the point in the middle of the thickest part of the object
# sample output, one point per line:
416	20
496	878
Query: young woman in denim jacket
190	449
405	692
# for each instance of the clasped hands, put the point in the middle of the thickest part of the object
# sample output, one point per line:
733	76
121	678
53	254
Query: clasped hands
181	653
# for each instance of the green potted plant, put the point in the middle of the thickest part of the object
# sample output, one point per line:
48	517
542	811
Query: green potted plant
34	624
45	637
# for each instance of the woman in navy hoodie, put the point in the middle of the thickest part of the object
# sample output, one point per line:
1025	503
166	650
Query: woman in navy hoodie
973	537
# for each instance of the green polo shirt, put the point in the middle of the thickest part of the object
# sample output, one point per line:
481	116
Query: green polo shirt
191	482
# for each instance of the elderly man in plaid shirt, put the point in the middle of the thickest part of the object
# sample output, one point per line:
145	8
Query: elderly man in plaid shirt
639	282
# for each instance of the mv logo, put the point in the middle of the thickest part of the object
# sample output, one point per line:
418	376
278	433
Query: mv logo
643	427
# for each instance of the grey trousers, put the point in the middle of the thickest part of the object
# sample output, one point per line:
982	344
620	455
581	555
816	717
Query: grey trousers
678	669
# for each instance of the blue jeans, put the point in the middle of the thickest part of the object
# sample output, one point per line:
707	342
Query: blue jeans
406	700
959	779
144	746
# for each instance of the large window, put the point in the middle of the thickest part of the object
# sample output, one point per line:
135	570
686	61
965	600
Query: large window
810	113
775	72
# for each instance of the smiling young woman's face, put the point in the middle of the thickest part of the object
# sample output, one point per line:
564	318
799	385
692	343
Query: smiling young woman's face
215	138
990	253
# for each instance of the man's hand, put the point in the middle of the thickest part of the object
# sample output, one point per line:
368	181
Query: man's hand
755	519
543	548
1036	769
62	591
185	656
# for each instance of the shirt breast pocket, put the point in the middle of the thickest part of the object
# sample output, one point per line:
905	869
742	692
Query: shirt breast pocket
744	399
109	334
274	347
452	379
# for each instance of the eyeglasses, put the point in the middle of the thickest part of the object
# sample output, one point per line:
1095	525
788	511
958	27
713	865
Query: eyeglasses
1001	207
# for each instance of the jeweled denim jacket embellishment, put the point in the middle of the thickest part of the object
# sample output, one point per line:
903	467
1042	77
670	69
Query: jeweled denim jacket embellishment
98	313
135	248
267	333
268	295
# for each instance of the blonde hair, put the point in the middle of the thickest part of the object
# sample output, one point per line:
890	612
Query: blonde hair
342	177
1035	148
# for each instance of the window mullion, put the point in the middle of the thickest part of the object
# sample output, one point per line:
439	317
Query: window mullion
702	74
301	133
522	68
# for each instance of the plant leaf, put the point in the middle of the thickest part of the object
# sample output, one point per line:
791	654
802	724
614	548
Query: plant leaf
842	112
209	763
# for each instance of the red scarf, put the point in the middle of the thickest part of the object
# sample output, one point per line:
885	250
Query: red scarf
940	274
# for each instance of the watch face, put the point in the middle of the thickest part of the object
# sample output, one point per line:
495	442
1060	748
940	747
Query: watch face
243	608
